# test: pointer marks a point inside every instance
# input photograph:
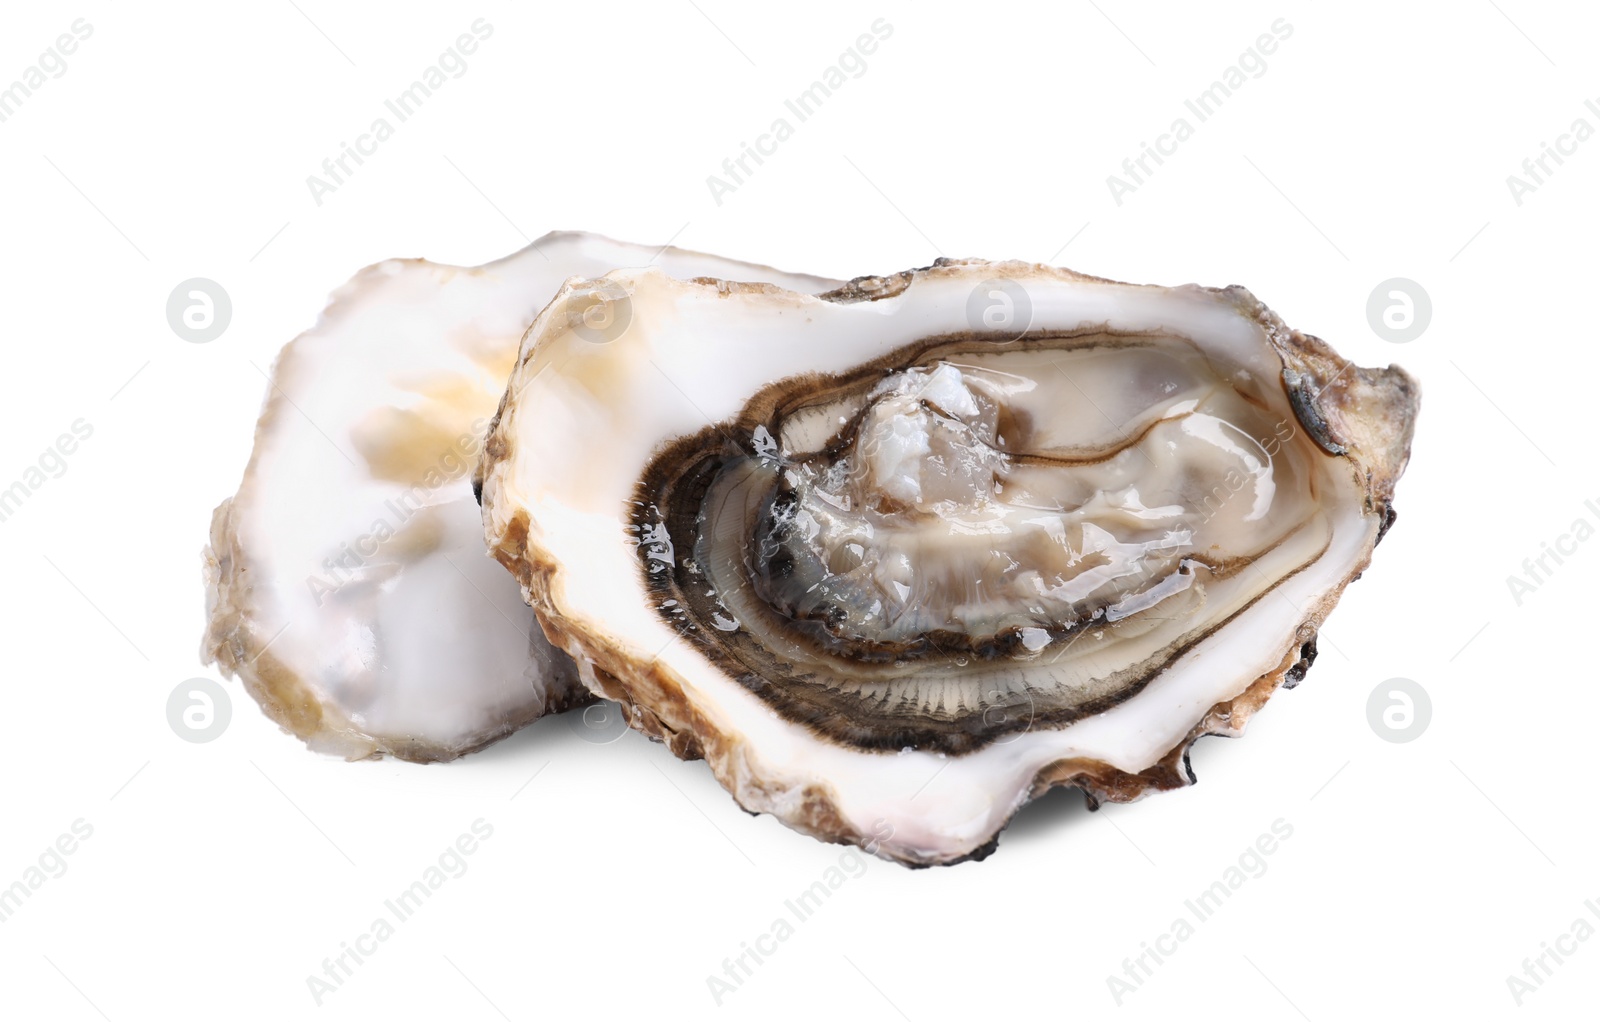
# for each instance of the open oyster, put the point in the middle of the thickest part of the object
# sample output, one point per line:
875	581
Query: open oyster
346	582
900	558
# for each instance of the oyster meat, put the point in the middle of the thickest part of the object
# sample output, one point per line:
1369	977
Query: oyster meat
900	558
346	581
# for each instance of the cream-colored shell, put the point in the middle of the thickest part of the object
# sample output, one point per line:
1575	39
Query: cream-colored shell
346	583
583	417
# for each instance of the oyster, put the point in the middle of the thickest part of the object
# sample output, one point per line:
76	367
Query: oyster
900	558
346	581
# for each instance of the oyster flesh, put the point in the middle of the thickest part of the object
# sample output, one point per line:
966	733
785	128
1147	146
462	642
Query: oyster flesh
346	581
900	558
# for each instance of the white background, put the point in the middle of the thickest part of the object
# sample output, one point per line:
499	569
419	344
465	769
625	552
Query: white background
1376	144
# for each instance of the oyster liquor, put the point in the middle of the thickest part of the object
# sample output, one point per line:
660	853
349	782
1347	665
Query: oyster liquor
918	510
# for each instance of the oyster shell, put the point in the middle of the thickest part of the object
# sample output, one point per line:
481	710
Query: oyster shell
900	558
346	581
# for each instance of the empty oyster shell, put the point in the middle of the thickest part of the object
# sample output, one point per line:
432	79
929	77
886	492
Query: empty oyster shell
900	558
346	581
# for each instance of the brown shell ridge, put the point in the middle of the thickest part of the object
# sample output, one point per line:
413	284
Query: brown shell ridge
1363	415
